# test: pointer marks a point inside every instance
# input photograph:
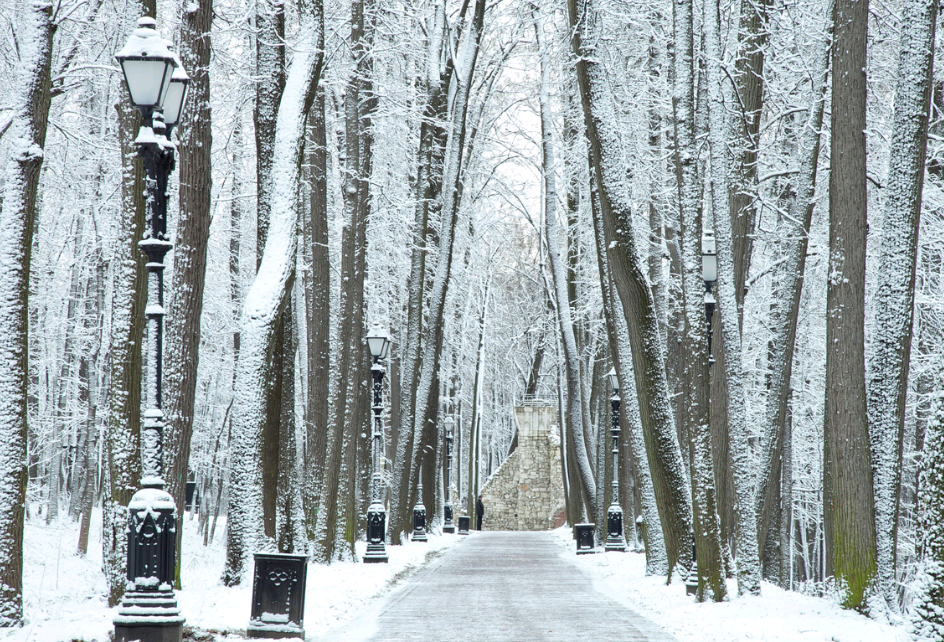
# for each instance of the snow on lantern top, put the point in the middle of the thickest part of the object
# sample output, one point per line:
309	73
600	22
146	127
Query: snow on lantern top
709	257
378	340
147	65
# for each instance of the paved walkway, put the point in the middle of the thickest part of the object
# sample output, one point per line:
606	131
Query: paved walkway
500	587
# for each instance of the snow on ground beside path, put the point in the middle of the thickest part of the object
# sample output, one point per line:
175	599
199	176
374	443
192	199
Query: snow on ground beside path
775	616
64	593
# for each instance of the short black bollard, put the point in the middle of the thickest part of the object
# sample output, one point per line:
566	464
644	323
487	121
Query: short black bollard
278	596
584	538
464	522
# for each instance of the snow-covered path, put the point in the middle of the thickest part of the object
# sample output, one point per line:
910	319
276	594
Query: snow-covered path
500	586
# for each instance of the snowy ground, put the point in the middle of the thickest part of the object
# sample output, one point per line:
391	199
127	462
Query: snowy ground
64	595
775	616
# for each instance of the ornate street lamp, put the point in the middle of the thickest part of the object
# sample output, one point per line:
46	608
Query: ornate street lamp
448	526
149	609
378	342
614	514
709	273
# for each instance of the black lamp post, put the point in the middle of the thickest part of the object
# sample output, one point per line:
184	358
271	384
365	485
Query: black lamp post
419	512
709	272
149	610
378	341
448	526
614	514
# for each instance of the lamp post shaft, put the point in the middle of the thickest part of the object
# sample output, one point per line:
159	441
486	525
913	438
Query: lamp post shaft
448	526
615	541
149	610
376	512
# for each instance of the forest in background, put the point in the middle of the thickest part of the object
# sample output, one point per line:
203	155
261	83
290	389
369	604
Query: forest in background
518	191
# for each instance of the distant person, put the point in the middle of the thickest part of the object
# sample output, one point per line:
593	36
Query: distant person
479	513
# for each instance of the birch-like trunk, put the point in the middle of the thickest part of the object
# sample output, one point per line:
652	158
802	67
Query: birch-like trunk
894	301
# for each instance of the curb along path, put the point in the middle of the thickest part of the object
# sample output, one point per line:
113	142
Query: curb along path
500	587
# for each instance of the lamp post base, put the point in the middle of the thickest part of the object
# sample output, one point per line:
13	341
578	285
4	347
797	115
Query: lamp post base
149	616
376	553
376	528
614	528
448	526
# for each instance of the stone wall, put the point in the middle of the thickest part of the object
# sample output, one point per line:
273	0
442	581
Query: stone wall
526	493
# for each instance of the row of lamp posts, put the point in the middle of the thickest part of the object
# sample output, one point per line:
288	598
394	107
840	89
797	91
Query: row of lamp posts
157	85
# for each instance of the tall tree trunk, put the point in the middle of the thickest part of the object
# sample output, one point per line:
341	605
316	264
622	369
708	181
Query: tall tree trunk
318	289
190	255
848	495
17	215
693	343
337	526
578	409
425	427
672	490
786	318
269	290
434	83
894	303
748	566
129	299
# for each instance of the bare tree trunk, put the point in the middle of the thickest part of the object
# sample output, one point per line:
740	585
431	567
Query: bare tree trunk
748	566
17	217
190	256
262	309
672	490
578	410
849	499
784	333
889	360
317	288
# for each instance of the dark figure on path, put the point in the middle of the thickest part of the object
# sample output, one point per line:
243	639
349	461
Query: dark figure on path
479	513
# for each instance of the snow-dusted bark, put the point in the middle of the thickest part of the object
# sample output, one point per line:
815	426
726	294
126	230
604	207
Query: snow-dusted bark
318	315
264	304
451	199
927	616
190	251
773	466
894	300
848	494
618	335
433	83
578	410
337	523
748	563
629	275
22	166
694	341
